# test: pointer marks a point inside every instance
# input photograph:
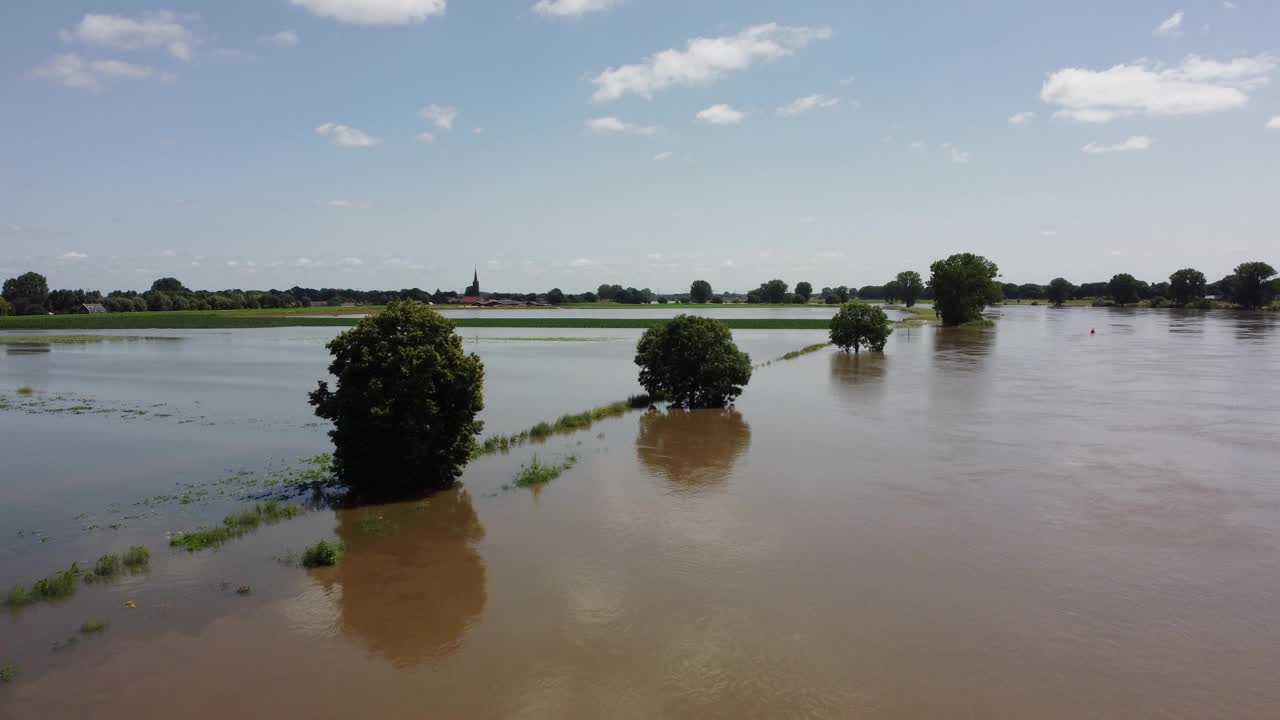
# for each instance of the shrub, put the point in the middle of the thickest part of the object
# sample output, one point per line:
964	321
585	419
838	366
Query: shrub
404	409
963	285
8	673
108	566
693	362
322	554
858	324
137	557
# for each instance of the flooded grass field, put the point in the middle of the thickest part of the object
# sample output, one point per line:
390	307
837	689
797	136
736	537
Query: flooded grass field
1020	522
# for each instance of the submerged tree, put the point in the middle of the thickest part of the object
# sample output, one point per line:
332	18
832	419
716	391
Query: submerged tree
1251	284
1123	289
963	285
405	405
693	362
858	324
911	287
1186	286
1059	291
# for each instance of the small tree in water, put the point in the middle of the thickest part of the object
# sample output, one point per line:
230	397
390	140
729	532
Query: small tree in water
404	409
1059	291
693	362
963	285
858	324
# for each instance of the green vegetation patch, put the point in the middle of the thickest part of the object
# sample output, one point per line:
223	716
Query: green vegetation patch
546	339
92	627
8	673
322	554
54	587
565	424
804	351
234	526
536	473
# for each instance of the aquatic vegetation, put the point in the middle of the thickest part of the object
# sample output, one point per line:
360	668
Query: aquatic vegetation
26	390
8	673
322	554
978	323
90	627
803	351
108	566
54	587
536	473
563	425
234	525
137	557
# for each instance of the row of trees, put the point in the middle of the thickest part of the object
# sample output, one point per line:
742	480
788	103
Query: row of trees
1250	285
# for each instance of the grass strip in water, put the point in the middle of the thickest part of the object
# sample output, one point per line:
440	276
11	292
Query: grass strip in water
544	339
234	526
54	587
536	473
75	339
92	627
8	673
563	425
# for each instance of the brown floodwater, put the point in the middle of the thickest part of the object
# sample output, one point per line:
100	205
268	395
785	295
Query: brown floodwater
1025	522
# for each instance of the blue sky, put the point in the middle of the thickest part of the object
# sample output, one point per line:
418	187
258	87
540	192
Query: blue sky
644	142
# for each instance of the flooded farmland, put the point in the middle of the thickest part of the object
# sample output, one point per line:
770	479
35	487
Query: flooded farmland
1026	521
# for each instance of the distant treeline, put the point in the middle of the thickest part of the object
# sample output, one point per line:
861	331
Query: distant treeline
1251	285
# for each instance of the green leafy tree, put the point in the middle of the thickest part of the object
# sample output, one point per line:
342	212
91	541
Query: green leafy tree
555	296
963	285
700	291
1059	291
804	290
858	324
774	291
1030	291
5	307
912	287
1123	289
892	292
405	403
27	290
1251	284
168	285
693	362
1186	286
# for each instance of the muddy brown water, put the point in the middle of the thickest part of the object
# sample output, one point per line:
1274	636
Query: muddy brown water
1027	522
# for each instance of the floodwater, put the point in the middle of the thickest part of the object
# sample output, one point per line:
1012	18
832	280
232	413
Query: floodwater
1025	522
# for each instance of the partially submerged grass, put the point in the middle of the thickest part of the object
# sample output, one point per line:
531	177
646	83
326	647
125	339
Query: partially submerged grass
90	627
545	339
8	673
26	390
536	473
803	351
920	316
75	339
137	557
564	425
322	554
978	324
235	525
54	587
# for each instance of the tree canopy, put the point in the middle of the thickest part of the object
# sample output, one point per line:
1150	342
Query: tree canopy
1186	286
1251	289
700	291
892	292
27	293
405	403
1123	289
911	287
804	290
858	324
963	285
693	362
1059	291
555	296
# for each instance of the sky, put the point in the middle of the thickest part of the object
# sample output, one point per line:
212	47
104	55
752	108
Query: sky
569	143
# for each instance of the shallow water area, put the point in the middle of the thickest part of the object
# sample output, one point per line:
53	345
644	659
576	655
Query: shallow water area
1026	521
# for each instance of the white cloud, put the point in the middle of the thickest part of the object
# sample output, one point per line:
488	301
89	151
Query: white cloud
351	262
799	106
704	60
284	39
917	145
374	12
1274	123
1229	5
1172	26
425	137
849	80
1135	143
478	131
168	253
665	155
348	137
347	205
1049	233
1196	85
603	125
442	116
95	75
957	155
572	8
73	255
302	262
156	29
1021	118
720	115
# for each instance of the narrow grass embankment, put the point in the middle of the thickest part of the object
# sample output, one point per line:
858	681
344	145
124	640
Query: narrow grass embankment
234	526
76	339
63	584
536	473
920	316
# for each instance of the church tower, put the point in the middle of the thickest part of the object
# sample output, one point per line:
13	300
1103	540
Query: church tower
474	289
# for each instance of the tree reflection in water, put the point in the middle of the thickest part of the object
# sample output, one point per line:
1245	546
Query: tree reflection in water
692	449
410	582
